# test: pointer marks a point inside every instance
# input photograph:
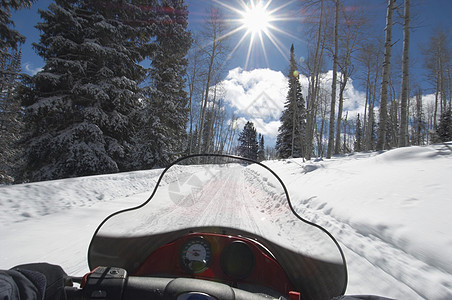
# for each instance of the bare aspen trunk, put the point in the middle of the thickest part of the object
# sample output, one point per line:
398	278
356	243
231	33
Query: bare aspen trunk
435	116
192	80
204	105
310	126
337	148
320	134
345	133
333	85
210	126
403	134
365	106
213	51
381	143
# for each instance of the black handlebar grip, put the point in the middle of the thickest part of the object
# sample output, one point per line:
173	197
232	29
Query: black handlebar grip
145	288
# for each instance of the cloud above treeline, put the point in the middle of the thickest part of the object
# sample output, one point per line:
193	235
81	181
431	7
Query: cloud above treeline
259	96
29	69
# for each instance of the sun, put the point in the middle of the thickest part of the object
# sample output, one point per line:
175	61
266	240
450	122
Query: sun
259	25
256	18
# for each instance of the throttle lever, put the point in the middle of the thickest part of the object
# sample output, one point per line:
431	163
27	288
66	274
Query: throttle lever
104	283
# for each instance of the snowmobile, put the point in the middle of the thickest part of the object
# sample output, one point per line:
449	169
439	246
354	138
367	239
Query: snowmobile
214	227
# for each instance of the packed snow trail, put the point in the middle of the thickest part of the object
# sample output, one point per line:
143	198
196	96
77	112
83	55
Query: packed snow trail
186	199
231	196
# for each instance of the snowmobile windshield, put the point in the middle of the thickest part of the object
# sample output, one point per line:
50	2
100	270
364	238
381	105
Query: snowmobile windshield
225	195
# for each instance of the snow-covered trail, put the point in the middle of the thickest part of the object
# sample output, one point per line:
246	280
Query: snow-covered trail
184	199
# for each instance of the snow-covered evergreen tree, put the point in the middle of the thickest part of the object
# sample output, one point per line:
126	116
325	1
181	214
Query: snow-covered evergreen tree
261	148
290	141
78	122
248	144
444	130
10	116
165	115
9	37
359	136
10	107
419	124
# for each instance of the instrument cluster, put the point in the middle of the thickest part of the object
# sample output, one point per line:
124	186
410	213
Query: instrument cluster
229	259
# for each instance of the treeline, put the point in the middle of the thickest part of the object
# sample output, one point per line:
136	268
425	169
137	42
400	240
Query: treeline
11	111
395	113
341	39
111	96
125	86
211	128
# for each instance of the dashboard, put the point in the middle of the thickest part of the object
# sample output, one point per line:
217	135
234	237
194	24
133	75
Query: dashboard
234	260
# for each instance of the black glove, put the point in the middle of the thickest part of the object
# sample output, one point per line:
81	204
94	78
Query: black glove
18	285
55	278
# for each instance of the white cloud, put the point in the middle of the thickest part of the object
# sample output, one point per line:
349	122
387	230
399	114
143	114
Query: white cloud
258	92
28	68
354	100
427	100
269	129
259	96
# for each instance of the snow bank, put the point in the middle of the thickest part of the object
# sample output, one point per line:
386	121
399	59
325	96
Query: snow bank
393	208
21	202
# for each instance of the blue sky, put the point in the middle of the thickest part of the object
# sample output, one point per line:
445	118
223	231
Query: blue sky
269	61
429	13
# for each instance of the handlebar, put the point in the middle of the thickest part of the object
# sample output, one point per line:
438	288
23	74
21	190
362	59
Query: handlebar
114	284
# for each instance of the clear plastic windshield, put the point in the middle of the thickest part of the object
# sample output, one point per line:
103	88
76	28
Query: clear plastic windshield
216	193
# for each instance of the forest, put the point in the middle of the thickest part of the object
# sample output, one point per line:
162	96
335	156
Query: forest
127	86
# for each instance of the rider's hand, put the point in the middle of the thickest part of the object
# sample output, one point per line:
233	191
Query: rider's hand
55	278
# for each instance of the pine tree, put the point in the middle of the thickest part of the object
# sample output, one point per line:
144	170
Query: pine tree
261	148
11	123
10	108
290	141
392	125
79	123
162	136
444	130
418	120
9	37
248	145
359	136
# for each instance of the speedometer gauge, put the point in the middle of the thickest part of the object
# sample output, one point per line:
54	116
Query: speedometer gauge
195	255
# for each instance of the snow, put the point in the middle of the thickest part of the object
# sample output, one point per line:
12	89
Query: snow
390	212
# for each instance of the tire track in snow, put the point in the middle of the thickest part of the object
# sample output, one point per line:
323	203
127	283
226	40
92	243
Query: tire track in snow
231	188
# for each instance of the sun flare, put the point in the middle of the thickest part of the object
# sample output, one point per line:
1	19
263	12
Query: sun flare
259	24
256	18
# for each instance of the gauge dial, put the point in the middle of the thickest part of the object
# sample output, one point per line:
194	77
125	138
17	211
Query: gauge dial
195	255
237	260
